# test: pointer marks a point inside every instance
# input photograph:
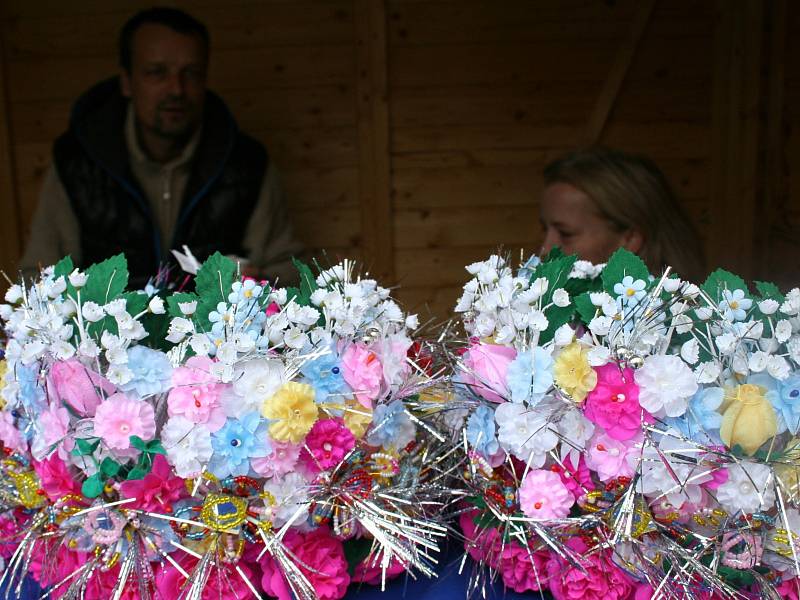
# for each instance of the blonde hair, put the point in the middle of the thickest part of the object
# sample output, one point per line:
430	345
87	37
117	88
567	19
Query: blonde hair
633	194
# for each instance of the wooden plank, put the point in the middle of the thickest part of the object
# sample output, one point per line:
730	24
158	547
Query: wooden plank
663	139
327	228
333	188
10	242
373	136
437	267
622	63
57	78
247	26
430	303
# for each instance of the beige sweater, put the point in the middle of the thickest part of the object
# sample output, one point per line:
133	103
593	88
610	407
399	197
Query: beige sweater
55	231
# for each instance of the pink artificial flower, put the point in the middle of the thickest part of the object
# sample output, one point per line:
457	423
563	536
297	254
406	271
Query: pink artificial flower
372	573
223	581
196	393
272	309
486	366
614	403
9	529
597	577
789	589
54	425
78	386
326	445
577	481
280	461
156	492
120	417
646	592
363	372
608	457
542	495
483	544
55	478
9	434
522	569
320	557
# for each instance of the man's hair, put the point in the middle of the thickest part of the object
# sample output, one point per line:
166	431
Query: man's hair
175	19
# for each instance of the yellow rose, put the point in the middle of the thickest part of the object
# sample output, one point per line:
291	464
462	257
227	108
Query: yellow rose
573	373
357	418
748	418
292	410
3	371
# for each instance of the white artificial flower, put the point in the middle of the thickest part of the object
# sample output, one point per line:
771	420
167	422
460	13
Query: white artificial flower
58	287
226	353
221	371
255	381
14	294
243	342
412	322
129	328
748	489
188	446
758	361
564	335
32	351
691	291
768	306
791	306
793	346
62	350
156	305
200	344
6	311
734	305
778	367
116	307
682	323
109	340
278	296
690	351
739	364
77	279
484	325
575	430
119	374
537	321
704	313
116	355
539	287
187	308
88	348
295	338
666	384
600	325
291	498
783	330
525	433
179	328
583	269
726	343
561	297
598	356
671	285
676	484
92	311
505	335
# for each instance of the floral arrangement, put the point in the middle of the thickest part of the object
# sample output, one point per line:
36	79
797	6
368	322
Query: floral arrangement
626	435
238	439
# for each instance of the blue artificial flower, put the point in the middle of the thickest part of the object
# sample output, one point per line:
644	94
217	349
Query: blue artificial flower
30	393
785	398
701	419
527	270
151	369
324	374
236	443
530	375
392	427
481	433
244	292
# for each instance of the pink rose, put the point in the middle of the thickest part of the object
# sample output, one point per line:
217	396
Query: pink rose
542	495
195	394
54	425
577	481
321	553
55	478
78	386
789	589
223	581
523	569
363	372
486	366
156	492
9	434
614	403
598	578
326	445
9	528
483	544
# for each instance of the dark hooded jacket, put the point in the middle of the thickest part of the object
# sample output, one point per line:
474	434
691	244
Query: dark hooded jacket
92	162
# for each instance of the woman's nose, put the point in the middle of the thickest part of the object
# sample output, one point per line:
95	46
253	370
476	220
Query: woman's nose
550	240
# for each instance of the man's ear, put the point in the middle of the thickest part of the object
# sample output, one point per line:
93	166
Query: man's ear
633	240
125	83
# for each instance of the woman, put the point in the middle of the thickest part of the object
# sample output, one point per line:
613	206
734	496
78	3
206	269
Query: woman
597	200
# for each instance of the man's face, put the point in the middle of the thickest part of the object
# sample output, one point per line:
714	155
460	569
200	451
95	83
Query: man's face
167	81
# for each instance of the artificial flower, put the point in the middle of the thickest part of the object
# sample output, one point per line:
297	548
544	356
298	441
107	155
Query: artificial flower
292	412
665	385
78	386
324	374
748	418
596	577
750	488
291	498
614	403
526	433
236	442
523	569
542	495
157	490
363	372
328	442
280	461
151	371
120	417
486	368
55	478
188	445
356	417
734	305
529	375
609	457
481	431
392	427
195	394
572	373
254	382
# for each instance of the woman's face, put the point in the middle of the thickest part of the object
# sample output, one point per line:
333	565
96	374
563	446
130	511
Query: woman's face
571	221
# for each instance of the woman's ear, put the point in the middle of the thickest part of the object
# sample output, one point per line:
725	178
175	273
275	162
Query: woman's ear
633	240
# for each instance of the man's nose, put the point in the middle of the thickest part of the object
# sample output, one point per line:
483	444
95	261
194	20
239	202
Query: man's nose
176	84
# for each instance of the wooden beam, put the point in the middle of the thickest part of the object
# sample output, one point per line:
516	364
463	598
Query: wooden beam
10	227
622	64
373	139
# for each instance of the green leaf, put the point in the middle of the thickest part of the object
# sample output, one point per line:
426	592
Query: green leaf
355	551
586	310
93	486
213	284
622	264
106	280
137	473
556	317
85	447
177	298
721	280
155	447
109	468
308	283
138	442
770	290
63	267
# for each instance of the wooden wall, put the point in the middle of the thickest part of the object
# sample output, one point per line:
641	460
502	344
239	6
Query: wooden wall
412	133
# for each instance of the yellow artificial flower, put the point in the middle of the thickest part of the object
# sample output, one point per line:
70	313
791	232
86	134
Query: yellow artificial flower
748	418
292	410
3	371
357	418
573	373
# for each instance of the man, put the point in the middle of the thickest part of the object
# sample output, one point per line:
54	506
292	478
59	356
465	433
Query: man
153	161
